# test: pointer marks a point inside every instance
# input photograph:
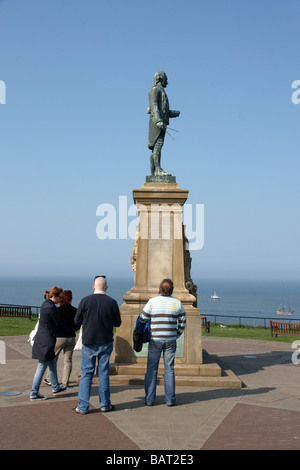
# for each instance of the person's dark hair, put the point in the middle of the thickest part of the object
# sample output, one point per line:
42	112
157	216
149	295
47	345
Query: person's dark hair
66	297
166	287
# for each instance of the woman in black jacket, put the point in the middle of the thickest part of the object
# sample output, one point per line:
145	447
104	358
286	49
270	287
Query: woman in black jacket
44	343
65	336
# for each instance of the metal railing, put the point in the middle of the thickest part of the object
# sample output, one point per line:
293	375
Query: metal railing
18	308
214	318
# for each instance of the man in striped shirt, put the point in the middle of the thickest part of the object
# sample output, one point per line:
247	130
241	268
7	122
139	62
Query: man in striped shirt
168	321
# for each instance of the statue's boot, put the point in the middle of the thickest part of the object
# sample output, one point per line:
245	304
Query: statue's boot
156	161
160	172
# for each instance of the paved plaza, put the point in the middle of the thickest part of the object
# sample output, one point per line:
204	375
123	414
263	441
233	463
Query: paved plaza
263	414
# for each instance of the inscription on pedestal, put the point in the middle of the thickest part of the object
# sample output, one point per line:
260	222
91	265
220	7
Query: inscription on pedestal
159	261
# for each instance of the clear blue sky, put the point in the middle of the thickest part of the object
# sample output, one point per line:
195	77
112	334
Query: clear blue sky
74	129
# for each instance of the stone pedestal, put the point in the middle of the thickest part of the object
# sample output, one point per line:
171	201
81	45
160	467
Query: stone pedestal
159	252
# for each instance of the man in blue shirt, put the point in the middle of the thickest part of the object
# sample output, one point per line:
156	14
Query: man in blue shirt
168	321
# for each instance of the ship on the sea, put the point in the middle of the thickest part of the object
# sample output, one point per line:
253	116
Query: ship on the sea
215	296
284	311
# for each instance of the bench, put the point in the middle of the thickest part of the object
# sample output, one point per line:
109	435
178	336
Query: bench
205	324
282	328
15	311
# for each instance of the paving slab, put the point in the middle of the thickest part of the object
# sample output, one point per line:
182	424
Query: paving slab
263	414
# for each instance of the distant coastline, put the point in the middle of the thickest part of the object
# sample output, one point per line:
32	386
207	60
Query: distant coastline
238	297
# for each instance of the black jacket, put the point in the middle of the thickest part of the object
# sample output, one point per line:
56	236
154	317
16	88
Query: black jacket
45	339
98	314
67	326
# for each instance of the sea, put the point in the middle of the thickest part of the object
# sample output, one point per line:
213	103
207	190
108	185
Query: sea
252	302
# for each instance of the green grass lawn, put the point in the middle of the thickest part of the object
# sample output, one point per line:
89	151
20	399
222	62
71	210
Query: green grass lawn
14	326
247	332
10	326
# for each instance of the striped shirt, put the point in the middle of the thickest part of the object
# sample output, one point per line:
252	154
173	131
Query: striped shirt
167	317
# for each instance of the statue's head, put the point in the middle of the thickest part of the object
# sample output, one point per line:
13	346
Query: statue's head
160	77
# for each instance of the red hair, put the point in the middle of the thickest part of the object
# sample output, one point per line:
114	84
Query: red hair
66	297
54	291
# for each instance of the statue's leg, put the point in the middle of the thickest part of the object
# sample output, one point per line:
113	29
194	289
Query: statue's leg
156	159
152	164
157	155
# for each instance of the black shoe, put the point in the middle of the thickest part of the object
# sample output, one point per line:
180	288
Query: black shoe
61	389
47	382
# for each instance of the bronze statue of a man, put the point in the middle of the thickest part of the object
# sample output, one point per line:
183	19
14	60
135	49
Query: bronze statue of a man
159	120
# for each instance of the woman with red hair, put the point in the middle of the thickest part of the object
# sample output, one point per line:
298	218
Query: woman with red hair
44	343
65	336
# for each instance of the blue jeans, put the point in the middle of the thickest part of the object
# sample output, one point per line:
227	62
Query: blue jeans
88	362
168	348
41	368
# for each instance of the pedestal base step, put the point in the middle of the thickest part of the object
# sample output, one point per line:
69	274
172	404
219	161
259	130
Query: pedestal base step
194	370
194	381
197	375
